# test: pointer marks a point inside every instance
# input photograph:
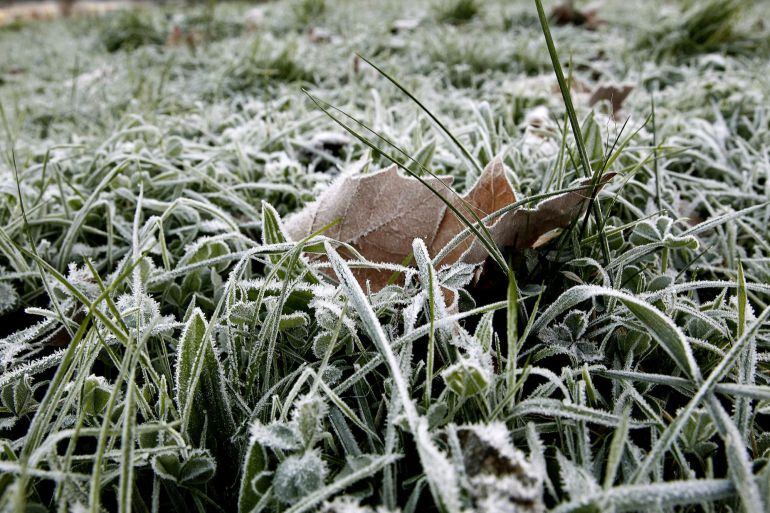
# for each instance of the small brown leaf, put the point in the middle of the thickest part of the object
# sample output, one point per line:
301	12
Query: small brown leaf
530	228
378	213
179	36
381	213
567	14
491	192
175	36
614	93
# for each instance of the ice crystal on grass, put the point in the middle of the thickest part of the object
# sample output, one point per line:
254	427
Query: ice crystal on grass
500	477
298	475
9	298
348	504
309	412
144	315
279	436
79	277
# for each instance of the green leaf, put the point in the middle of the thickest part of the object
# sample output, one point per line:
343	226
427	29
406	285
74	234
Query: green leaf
192	347
198	370
198	468
593	141
441	475
271	229
616	449
166	466
95	395
253	482
466	378
660	327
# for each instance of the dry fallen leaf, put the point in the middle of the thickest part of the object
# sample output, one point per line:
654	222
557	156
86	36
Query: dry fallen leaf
491	192
566	14
614	93
179	36
175	37
381	213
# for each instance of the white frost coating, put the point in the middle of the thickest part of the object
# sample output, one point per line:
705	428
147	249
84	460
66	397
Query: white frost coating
440	473
500	477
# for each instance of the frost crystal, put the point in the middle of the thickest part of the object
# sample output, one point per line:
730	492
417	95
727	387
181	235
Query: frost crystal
501	479
150	312
281	436
349	504
309	412
299	475
8	297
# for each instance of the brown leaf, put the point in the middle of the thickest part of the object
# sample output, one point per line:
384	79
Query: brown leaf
179	36
614	93
567	14
491	192
381	213
378	213
531	228
175	36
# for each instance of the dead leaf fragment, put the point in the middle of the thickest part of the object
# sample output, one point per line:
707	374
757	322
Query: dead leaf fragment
500	477
491	192
381	213
567	14
175	37
378	213
179	36
531	228
616	94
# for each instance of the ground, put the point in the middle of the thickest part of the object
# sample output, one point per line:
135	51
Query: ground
168	347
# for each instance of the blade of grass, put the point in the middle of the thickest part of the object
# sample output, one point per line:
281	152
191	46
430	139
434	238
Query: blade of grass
430	114
585	162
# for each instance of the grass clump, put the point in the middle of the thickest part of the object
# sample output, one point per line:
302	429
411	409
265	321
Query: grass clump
308	12
261	66
467	63
703	27
456	12
130	30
